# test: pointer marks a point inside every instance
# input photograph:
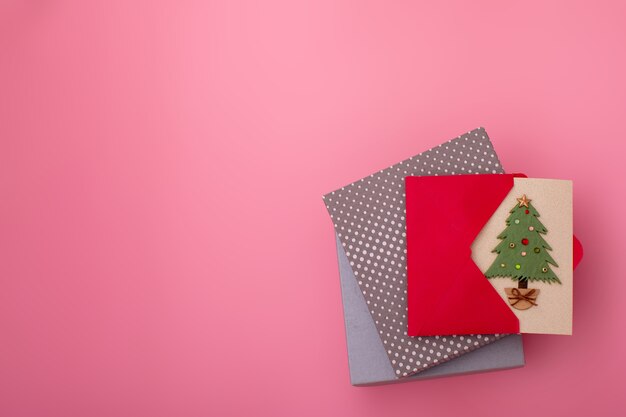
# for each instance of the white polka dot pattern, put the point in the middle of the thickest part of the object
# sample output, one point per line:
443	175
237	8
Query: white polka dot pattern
369	219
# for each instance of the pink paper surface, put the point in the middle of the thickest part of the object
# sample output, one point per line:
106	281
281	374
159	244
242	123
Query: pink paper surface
165	249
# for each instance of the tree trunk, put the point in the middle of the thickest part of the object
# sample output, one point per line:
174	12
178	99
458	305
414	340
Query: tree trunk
523	283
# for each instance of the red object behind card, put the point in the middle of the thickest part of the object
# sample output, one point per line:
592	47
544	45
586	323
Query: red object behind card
447	293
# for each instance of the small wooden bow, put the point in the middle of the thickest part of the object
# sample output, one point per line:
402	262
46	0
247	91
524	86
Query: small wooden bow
518	296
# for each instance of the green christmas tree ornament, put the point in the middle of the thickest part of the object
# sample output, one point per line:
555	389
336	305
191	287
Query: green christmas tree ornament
523	254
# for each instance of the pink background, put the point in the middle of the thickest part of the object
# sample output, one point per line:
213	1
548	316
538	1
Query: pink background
164	246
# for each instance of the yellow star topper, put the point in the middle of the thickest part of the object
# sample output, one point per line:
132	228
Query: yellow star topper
523	201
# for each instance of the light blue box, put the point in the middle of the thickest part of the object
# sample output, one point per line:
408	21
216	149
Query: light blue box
368	361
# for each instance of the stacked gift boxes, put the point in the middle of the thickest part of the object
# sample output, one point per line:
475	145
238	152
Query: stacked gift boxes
369	217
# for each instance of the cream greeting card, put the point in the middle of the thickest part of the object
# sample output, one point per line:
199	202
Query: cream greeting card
525	250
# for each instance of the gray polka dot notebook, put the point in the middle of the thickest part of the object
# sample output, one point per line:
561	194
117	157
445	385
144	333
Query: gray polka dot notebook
369	220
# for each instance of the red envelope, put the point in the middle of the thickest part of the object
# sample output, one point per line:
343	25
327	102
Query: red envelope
447	293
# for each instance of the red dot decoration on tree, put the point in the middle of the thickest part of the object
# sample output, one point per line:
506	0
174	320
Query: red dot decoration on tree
527	211
524	241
